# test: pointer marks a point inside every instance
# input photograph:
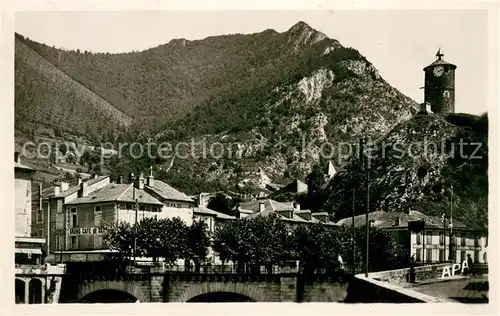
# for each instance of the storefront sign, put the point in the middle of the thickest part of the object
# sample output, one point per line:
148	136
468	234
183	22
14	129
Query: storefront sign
85	231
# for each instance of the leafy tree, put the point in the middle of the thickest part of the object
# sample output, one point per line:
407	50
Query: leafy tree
118	236
197	243
164	238
251	243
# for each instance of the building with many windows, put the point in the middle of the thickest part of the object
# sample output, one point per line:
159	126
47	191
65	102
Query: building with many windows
428	237
71	216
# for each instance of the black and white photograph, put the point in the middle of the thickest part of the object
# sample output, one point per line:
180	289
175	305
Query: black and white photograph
218	156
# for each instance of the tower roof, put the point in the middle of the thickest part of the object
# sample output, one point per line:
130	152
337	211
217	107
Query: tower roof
440	61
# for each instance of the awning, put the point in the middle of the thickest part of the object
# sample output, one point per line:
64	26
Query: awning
36	251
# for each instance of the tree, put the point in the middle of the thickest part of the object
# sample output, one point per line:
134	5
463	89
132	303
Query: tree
197	243
316	246
161	238
252	242
118	236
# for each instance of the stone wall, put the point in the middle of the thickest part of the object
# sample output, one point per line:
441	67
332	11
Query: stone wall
401	276
155	284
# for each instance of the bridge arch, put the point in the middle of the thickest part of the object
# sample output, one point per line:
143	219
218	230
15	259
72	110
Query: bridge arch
253	293
130	288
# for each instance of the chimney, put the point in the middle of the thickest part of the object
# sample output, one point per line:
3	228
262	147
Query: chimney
150	177
64	186
297	206
262	207
17	157
84	190
139	183
57	188
131	177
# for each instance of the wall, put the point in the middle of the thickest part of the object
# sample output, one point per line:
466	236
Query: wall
157	285
88	218
23	203
400	276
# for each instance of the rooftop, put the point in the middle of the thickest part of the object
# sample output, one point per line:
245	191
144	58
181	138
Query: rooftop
167	192
382	219
206	211
117	193
49	192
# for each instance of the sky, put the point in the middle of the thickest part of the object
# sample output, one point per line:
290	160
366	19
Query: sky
398	43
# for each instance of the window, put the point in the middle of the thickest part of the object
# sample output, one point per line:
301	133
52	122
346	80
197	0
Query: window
476	241
446	94
39	216
441	238
441	255
396	221
419	238
485	257
476	256
428	239
40	233
486	242
462	256
129	206
179	205
142	208
74	218
463	239
418	256
97	215
428	255
74	242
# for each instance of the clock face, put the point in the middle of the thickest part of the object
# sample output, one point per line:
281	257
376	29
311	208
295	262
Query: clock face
438	71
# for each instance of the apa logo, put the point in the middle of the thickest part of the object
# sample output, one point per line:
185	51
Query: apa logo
454	268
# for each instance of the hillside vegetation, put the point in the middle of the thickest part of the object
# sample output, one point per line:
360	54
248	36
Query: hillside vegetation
47	96
421	163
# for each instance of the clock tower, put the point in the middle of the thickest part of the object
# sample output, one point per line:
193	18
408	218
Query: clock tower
439	87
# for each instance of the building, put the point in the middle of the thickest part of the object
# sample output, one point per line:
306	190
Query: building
28	250
439	86
51	220
35	282
213	220
75	214
289	213
431	241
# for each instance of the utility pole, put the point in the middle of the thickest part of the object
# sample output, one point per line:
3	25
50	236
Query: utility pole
367	221
135	222
365	165
451	255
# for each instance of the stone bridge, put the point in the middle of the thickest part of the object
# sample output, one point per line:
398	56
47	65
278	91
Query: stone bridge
154	284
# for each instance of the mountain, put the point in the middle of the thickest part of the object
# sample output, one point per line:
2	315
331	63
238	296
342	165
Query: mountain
46	95
417	165
303	92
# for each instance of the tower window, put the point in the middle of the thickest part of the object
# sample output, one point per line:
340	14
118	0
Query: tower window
446	94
